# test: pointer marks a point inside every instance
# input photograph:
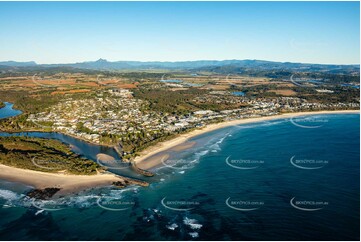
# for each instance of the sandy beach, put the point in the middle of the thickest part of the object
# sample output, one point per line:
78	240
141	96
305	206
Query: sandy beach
150	158
67	183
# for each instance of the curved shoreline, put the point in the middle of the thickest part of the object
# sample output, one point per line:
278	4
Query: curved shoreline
141	160
67	183
71	183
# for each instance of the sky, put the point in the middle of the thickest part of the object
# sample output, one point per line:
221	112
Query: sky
67	32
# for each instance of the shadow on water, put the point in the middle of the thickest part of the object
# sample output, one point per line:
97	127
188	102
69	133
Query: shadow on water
31	225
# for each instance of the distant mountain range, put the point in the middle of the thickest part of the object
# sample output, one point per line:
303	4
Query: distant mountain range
201	65
16	64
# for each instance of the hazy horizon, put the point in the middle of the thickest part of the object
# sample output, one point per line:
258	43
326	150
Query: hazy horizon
175	61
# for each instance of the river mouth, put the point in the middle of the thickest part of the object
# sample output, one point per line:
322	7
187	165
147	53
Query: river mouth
234	183
8	111
85	149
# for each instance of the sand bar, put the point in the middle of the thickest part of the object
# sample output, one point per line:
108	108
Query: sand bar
67	183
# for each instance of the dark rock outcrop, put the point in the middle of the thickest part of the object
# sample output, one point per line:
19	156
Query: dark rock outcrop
141	171
128	181
43	194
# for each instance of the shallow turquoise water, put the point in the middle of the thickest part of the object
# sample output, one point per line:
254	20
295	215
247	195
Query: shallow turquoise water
280	180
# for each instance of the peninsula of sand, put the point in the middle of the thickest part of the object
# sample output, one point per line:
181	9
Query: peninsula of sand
67	183
154	155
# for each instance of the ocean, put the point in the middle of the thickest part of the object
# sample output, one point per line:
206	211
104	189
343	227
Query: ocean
286	179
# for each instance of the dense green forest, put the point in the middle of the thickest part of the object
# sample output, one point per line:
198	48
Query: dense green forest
43	155
174	102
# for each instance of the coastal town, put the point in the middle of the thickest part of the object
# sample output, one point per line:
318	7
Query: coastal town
180	120
115	115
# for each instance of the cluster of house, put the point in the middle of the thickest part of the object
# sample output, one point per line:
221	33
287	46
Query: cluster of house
116	111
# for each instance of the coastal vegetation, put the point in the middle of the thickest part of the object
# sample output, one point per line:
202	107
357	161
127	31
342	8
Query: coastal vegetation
182	102
44	155
133	110
175	102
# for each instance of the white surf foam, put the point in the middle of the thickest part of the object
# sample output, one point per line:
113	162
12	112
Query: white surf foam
9	195
194	234
172	226
192	223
